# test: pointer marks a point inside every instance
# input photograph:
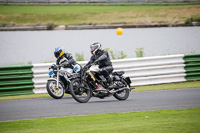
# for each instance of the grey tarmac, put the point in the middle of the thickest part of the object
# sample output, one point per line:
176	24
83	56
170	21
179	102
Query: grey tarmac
67	106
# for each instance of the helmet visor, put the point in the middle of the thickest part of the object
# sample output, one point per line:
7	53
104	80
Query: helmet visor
56	54
93	48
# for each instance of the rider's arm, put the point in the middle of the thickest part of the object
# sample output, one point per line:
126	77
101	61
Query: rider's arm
58	61
66	60
103	56
90	62
70	58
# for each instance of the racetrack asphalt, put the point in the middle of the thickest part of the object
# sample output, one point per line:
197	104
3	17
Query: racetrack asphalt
67	106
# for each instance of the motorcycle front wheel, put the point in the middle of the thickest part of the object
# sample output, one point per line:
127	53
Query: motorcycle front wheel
81	93
122	95
55	92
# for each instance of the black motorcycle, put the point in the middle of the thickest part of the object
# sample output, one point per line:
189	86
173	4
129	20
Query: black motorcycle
93	84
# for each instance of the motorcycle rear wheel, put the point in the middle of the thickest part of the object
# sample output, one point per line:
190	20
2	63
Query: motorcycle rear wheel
54	92
79	93
123	95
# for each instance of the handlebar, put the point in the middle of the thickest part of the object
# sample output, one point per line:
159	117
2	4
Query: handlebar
90	65
54	66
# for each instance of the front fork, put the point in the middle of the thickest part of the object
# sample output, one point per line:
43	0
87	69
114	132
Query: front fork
57	84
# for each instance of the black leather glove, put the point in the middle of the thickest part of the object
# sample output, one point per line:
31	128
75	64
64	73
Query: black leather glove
85	68
96	62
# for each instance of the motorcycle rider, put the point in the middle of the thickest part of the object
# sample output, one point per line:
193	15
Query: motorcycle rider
101	57
64	58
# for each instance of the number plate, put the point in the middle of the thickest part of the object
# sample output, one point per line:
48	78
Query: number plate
76	68
51	73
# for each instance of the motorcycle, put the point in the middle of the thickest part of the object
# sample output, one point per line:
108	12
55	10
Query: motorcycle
93	84
60	79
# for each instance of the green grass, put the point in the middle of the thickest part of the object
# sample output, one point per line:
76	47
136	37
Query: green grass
193	19
167	121
85	14
182	85
195	84
59	9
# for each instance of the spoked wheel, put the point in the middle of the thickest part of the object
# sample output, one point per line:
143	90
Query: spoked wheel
124	94
54	92
81	93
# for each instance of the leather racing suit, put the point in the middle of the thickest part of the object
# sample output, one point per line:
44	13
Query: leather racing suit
66	57
102	59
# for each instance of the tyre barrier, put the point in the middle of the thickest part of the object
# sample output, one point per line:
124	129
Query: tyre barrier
192	67
18	80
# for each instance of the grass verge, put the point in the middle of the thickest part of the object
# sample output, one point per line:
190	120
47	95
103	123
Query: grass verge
84	14
195	84
170	121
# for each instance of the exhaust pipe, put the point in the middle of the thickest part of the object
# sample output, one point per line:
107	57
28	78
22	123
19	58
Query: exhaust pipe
120	90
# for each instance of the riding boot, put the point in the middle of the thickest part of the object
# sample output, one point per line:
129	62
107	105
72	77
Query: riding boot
110	82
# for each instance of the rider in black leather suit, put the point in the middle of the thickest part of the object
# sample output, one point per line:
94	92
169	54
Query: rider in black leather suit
101	57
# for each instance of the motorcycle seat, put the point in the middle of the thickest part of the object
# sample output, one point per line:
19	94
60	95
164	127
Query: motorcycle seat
120	73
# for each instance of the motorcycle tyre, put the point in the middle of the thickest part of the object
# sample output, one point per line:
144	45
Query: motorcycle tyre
51	94
89	94
126	94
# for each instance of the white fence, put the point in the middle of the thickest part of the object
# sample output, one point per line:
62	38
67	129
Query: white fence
142	71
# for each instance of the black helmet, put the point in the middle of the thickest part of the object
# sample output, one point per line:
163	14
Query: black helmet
95	47
58	52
